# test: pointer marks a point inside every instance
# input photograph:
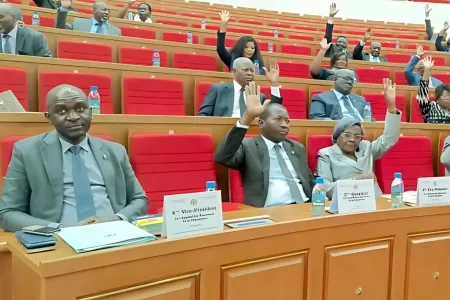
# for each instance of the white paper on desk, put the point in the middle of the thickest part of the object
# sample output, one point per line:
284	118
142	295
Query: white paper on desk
433	191
352	196
104	235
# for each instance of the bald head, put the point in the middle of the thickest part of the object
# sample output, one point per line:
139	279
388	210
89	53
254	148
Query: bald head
63	92
7	18
101	11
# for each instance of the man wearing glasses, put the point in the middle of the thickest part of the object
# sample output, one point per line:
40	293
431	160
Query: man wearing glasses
339	102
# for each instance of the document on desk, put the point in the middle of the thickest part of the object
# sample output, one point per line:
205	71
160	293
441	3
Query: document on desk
104	235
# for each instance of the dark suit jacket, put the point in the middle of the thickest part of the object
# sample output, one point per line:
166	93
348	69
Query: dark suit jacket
251	158
30	42
325	106
333	48
220	99
359	54
50	4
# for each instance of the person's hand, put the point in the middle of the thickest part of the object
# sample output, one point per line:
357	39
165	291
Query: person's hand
445	26
224	16
274	72
333	10
389	94
420	50
97	219
324	45
367	35
428	63
66	4
254	106
427	10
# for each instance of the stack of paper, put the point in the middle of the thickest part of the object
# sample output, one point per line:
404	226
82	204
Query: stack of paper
409	198
104	235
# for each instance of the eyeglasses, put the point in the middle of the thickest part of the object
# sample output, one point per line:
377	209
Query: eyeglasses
356	137
347	78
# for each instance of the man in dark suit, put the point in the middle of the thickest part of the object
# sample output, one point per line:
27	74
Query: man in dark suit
339	102
375	50
67	176
274	170
341	41
52	4
228	99
15	39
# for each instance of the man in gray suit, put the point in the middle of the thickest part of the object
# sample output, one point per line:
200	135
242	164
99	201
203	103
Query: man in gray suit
339	102
274	170
375	50
66	176
15	39
98	24
228	99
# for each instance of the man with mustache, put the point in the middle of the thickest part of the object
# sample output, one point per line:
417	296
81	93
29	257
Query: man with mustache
228	99
98	24
375	50
341	41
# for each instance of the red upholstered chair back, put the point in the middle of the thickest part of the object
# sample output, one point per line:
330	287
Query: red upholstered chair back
379	108
178	37
399	78
201	90
138	33
264	46
141	56
313	144
212	41
49	80
15	79
153	96
414	110
236	189
398	58
445	78
295	70
84	51
173	23
296	49
371	75
240	30
412	156
293	99
301	37
44	21
194	61
167	164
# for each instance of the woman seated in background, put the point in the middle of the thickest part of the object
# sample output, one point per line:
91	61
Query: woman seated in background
144	12
337	61
437	112
351	157
246	46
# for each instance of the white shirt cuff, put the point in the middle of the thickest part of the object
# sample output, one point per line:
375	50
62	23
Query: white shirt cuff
275	90
427	18
362	43
417	55
122	217
239	125
330	21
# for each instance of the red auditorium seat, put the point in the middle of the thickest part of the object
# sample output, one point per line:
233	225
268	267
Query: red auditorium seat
399	78
307	28
15	79
164	11
152	96
173	23
84	51
201	89
252	22
294	100
49	80
301	37
212	41
178	37
314	143
44	21
217	18
264	46
279	25
414	110
235	187
193	15
208	27
445	78
84	10
180	163
379	108
270	34
138	33
295	49
408	37
414	46
361	33
398	58
371	75
439	61
389	44
141	56
194	61
412	156
240	30
296	70
385	35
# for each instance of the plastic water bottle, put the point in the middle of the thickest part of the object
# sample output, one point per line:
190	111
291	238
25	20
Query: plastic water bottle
210	186
204	24
130	15
189	37
397	45
397	191
270	47
94	100
256	63
35	20
318	198
156	60
367	113
275	33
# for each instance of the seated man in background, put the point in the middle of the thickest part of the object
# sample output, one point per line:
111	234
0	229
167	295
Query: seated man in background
440	37
274	170
143	15
52	4
375	50
67	176
341	41
17	39
98	24
414	78
339	102
228	99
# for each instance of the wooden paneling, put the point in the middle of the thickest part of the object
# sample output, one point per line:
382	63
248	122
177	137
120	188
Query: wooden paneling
428	266
288	275
5	269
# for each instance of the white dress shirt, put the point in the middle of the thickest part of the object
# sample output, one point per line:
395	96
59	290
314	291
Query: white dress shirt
274	90
343	108
278	192
373	59
136	18
12	40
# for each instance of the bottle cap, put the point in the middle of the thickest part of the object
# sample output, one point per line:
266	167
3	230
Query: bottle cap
319	180
256	61
210	185
397	175
94	88
156	50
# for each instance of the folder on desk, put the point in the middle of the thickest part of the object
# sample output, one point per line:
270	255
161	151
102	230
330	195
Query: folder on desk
104	235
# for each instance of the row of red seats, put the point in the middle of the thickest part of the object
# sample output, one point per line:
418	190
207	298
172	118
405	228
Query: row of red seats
183	163
154	96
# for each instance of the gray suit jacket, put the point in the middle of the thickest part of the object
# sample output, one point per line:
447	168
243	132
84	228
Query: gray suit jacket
33	186
251	157
81	24
332	165
325	106
445	156
220	100
30	42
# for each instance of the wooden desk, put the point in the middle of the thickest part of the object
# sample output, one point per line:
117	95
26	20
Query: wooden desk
397	254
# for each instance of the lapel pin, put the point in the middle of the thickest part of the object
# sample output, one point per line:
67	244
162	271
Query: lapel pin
292	152
104	156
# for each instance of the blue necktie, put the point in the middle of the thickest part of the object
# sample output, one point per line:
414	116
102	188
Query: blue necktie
349	108
7	47
82	187
99	27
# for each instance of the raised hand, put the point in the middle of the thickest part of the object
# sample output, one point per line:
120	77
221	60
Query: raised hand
130	2
224	16
428	63
420	50
66	3
445	26
254	106
367	35
389	94
333	10
274	72
324	45
427	10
